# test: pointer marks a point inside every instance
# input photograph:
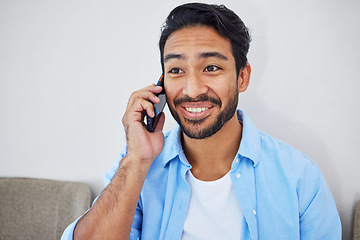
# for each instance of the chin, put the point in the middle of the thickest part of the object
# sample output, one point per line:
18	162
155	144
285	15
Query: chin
206	127
198	134
198	129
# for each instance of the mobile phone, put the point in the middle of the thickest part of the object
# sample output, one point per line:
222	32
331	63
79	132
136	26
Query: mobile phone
158	107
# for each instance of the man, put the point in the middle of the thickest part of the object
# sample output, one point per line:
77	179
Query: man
215	176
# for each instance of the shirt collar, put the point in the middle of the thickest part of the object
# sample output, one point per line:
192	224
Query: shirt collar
250	146
173	147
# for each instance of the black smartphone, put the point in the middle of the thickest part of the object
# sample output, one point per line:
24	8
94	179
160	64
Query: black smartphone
158	107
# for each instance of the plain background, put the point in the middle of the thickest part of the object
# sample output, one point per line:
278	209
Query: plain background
67	69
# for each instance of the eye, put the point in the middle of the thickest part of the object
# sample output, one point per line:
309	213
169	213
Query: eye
211	68
176	71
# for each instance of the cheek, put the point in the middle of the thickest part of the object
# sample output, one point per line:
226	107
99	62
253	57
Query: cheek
221	89
173	88
225	91
170	94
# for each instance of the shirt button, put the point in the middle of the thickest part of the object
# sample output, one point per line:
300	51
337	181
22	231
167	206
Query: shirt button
237	160
238	175
254	212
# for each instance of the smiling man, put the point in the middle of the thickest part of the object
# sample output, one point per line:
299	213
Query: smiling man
202	80
215	175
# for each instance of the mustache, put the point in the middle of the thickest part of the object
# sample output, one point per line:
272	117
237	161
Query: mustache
200	98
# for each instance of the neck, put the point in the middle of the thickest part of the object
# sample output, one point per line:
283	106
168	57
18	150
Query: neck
211	158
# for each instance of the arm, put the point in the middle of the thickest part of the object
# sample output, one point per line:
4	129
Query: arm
321	220
112	214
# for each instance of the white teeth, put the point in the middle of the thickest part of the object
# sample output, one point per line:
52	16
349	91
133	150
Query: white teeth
196	110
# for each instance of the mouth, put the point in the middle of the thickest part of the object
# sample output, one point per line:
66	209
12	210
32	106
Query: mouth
195	111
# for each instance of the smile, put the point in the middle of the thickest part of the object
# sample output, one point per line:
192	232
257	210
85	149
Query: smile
196	110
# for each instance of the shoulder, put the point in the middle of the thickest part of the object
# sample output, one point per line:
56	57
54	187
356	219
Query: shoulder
289	169
278	152
280	160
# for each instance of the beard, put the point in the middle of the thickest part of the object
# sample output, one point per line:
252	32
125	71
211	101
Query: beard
193	128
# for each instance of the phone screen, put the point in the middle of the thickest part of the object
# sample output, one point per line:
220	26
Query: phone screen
158	107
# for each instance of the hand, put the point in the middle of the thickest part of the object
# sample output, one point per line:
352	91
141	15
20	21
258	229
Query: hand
142	144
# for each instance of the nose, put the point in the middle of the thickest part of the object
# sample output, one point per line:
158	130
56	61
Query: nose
194	85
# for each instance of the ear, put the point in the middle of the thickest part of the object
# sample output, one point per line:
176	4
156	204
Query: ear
244	78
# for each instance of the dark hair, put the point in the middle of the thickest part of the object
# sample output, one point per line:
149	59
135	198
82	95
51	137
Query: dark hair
222	19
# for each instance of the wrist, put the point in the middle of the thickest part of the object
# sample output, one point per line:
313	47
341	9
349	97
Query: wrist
133	161
145	154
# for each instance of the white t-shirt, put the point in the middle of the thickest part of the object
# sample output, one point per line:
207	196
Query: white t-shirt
214	212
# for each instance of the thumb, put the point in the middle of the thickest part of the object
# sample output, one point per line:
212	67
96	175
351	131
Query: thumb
160	123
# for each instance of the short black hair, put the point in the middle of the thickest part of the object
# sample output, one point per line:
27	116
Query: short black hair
222	19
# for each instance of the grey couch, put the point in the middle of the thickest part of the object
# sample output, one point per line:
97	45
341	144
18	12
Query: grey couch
356	230
39	209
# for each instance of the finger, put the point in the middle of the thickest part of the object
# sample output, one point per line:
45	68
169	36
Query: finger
152	88
143	106
160	123
137	112
147	93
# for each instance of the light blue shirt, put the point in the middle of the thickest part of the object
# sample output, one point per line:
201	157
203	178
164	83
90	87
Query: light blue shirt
282	193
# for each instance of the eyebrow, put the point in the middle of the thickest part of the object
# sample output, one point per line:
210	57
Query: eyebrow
201	55
213	54
173	56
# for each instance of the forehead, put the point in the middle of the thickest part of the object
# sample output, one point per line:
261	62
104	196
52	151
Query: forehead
193	40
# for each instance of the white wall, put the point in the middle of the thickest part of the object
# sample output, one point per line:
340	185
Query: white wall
67	69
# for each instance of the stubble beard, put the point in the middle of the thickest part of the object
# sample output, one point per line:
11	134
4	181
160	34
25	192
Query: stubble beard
193	127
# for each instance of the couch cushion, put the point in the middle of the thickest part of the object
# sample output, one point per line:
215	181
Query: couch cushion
39	209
